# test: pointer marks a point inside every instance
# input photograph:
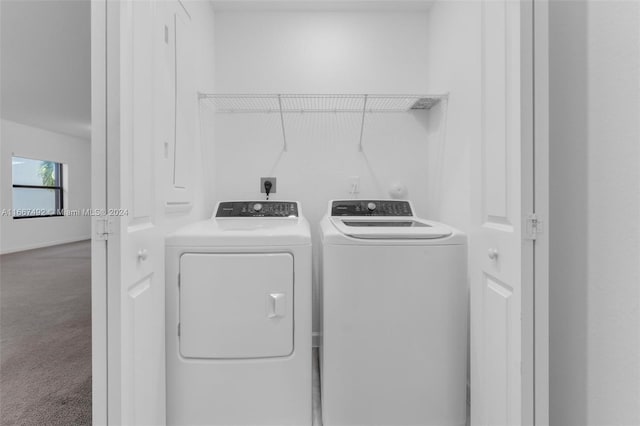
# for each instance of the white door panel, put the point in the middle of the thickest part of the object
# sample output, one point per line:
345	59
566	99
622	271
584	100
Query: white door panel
181	114
497	302
140	91
139	347
498	254
135	253
185	103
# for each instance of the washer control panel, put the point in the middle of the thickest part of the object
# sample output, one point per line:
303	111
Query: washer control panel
257	209
370	208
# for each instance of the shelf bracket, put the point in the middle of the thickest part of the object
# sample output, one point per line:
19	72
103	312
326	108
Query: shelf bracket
364	111
284	134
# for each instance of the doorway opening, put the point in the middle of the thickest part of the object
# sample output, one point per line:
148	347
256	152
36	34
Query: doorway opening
45	223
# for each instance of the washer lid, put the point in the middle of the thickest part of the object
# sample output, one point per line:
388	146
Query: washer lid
400	227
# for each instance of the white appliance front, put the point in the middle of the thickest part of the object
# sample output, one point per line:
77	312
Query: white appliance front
394	322
236	305
238	318
394	335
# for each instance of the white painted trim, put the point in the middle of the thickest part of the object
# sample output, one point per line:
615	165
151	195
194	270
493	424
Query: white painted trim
98	201
527	202
541	247
316	339
46	244
114	13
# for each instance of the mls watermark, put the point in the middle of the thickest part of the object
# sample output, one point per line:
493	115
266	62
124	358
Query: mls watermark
63	212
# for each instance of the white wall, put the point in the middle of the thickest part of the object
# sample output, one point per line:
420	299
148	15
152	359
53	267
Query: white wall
45	51
322	52
595	213
455	67
24	141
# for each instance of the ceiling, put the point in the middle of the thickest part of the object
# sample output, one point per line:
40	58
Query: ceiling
45	59
45	64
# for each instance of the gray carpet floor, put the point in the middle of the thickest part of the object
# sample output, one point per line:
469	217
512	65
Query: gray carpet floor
45	336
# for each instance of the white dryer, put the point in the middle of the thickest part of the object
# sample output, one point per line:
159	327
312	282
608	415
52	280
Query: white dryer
394	317
238	317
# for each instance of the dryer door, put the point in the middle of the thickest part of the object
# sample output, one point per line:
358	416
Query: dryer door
236	305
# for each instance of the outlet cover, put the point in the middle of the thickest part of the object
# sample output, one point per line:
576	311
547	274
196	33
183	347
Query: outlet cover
354	185
273	184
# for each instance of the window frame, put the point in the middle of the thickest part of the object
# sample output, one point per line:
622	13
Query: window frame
59	190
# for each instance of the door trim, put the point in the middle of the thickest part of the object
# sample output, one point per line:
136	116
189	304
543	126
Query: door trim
528	187
98	202
541	208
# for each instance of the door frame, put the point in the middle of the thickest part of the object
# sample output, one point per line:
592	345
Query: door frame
535	174
540	17
99	260
101	27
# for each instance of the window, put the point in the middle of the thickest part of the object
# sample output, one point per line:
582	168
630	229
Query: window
37	188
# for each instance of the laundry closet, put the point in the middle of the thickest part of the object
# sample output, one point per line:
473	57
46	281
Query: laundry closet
354	152
427	101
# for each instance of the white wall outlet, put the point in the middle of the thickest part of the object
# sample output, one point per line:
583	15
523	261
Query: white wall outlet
273	185
354	184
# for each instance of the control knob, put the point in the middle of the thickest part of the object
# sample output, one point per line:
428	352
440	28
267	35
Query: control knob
257	207
371	206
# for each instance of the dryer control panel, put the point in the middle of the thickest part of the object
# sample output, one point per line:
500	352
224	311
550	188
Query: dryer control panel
370	208
257	209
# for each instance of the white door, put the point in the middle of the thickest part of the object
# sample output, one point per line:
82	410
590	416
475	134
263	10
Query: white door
143	128
124	66
143	131
136	367
501	255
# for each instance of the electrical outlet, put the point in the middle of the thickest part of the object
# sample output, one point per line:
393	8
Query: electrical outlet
273	185
354	184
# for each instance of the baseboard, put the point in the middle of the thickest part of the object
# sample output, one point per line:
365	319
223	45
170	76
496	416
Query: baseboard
45	244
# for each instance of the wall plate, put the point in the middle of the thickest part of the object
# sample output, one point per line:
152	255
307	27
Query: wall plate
273	183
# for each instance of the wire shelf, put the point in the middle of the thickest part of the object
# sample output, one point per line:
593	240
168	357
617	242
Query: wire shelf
299	103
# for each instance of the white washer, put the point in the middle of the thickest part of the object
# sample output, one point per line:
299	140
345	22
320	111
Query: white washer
238	317
394	317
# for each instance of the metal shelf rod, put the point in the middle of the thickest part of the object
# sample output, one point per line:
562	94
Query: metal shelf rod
284	134
364	113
